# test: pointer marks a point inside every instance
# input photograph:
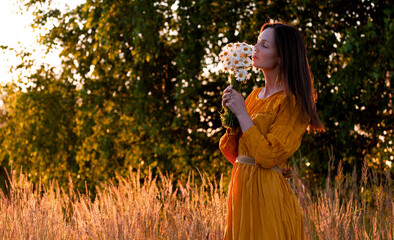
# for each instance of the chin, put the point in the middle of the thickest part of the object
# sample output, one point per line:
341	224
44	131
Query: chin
256	65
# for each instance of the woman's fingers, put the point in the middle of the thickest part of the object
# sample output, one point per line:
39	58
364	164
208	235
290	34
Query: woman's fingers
228	89
227	95
230	98
226	99
224	102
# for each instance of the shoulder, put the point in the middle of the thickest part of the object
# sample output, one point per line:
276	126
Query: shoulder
252	95
278	102
289	113
254	92
285	101
286	106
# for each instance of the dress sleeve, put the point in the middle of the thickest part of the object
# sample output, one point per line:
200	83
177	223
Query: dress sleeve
282	139
228	144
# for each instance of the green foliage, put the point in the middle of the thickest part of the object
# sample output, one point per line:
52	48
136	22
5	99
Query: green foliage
134	86
38	135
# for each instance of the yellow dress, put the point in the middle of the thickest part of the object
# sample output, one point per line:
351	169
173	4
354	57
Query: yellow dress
261	203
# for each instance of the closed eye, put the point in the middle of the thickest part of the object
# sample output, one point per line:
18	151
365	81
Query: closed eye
263	43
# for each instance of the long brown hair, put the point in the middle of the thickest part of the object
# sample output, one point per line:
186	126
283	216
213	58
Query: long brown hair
294	71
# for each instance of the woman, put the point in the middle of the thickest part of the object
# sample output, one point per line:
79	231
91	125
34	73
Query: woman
273	119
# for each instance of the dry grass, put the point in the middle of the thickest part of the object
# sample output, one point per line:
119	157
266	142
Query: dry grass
122	209
153	208
348	207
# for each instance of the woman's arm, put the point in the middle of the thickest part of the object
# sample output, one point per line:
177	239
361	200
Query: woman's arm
283	138
245	122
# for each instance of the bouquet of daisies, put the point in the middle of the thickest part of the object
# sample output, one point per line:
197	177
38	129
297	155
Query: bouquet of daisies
236	59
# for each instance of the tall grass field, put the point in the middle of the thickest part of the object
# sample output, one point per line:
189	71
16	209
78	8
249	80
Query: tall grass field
348	207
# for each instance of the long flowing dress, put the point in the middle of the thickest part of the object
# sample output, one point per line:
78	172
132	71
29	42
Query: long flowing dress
261	203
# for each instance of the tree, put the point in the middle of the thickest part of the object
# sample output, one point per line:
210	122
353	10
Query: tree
136	87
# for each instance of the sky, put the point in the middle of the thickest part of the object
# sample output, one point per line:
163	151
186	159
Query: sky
17	34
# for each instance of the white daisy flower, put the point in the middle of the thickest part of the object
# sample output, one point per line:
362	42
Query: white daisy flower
235	58
241	74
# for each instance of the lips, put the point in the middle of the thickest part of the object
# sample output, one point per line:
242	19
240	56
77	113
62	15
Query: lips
254	57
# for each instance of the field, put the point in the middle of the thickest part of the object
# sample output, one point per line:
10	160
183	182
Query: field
162	208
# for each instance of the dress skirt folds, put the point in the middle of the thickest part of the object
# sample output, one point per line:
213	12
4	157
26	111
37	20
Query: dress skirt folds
261	203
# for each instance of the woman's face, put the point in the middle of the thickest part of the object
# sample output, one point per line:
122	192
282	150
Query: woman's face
265	54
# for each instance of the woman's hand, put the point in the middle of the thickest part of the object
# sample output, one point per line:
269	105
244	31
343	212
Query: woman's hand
234	101
226	95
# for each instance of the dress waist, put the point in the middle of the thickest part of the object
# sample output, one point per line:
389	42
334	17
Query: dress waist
248	160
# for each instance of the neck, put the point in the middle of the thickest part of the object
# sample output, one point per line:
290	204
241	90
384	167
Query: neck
272	83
